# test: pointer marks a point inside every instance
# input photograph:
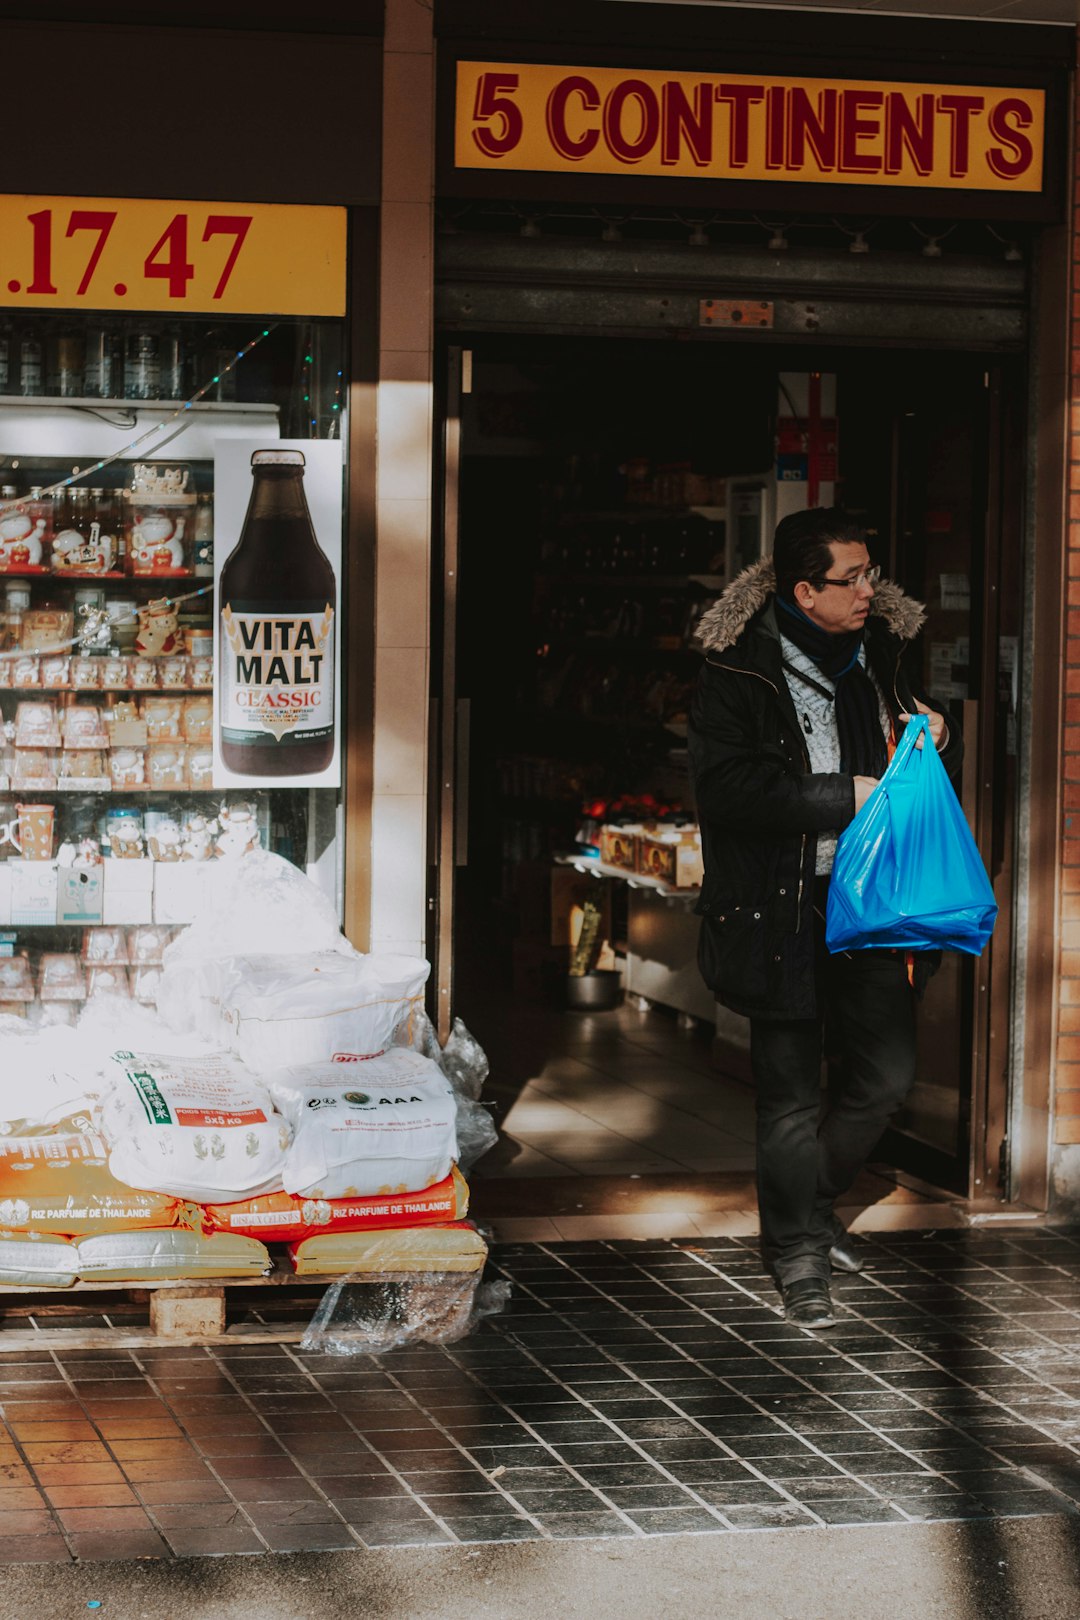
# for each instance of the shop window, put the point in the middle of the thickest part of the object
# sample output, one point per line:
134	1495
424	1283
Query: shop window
148	733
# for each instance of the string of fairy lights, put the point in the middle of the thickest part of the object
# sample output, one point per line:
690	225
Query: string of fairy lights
308	392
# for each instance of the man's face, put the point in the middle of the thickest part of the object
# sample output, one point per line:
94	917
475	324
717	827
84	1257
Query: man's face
839	609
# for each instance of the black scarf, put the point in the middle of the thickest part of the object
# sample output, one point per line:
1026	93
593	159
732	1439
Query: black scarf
858	717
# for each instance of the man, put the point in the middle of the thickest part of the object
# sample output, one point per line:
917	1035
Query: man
801	693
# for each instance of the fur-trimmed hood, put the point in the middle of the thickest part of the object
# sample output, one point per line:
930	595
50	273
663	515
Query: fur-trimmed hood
749	591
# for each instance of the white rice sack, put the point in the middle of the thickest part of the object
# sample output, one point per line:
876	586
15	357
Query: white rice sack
194	1127
289	1010
364	1129
259	903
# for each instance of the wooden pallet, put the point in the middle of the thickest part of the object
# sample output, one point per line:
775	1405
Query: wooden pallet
195	1312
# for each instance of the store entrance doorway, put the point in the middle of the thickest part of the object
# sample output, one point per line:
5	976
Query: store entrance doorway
599	493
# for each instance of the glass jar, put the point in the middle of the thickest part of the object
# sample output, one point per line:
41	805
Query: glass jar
216	356
123	614
42	508
172	357
142	363
31	361
64	364
16	602
99	381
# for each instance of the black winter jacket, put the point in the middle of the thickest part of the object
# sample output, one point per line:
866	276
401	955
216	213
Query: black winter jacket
761	809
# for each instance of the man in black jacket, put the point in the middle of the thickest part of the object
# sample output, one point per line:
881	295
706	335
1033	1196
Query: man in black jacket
801	693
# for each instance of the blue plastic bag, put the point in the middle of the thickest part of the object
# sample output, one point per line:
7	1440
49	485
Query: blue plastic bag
907	872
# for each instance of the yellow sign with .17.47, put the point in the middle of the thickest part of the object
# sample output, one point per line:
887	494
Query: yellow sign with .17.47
137	253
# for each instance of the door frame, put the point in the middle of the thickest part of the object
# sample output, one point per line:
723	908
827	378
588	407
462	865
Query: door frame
1000	1089
447	790
979	1169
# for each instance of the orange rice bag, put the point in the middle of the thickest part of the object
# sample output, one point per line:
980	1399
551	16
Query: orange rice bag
63	1184
285	1218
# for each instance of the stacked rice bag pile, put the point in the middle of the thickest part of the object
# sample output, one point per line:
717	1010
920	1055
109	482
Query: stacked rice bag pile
275	1097
56	1187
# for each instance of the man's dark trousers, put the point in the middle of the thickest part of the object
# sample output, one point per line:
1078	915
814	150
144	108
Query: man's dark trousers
806	1158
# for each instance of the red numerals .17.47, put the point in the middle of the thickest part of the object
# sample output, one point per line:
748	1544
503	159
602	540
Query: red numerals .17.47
167	260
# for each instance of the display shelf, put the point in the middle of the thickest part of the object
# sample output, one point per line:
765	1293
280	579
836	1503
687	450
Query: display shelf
44	427
112	578
131	406
97	691
72	784
636	880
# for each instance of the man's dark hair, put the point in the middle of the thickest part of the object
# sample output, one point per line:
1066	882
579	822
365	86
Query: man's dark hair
801	545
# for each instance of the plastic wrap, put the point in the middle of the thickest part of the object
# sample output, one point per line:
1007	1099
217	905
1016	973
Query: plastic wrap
420	1286
464	1063
367	1318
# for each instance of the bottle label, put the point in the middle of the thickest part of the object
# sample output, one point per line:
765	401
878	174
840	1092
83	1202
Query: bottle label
277	673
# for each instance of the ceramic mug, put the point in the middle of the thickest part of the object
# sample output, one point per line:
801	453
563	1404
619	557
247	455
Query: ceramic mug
32	833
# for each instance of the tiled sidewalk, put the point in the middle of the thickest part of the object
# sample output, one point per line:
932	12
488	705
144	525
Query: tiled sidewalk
630	1390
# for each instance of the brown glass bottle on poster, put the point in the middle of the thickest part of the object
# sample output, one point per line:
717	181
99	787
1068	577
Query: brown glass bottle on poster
278	607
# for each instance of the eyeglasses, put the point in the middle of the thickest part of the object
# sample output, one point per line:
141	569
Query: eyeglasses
869	576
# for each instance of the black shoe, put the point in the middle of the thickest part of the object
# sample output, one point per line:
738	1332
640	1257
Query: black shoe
807	1303
844	1254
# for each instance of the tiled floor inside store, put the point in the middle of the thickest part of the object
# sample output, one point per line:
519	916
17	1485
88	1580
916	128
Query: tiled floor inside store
614	1093
621	1125
630	1389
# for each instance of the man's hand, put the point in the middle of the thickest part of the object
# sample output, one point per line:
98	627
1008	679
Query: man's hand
864	786
939	733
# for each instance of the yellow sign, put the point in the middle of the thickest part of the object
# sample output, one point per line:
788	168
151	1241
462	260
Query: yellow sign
737	126
121	253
